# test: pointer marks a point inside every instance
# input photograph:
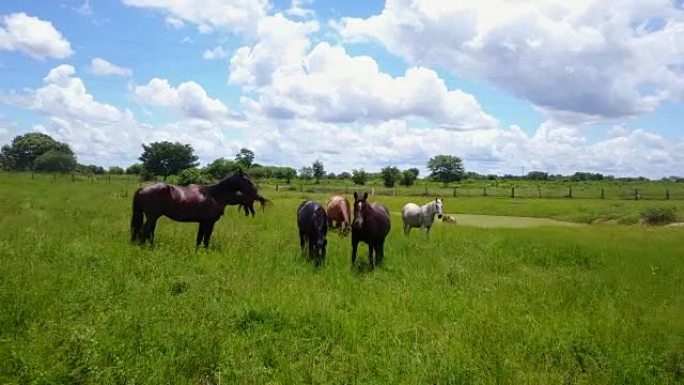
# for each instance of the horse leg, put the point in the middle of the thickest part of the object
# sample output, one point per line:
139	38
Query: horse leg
208	229
355	245
251	210
427	231
302	240
380	252
371	259
152	222
200	234
406	228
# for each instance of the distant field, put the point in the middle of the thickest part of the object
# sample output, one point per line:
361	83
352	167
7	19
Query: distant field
596	304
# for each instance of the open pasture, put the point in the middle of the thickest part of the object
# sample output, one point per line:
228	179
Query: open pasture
597	304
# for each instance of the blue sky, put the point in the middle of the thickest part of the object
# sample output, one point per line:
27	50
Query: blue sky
366	84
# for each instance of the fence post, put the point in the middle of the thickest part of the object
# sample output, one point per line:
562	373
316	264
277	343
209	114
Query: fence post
31	173
570	192
276	187
539	191
425	193
372	190
484	191
73	178
636	195
512	192
454	192
667	194
603	193
301	187
394	193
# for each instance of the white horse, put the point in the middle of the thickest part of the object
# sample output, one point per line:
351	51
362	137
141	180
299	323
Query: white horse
421	216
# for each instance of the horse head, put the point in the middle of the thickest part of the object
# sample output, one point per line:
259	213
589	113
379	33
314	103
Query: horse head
438	207
360	209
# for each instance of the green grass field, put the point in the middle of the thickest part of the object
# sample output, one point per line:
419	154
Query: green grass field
596	304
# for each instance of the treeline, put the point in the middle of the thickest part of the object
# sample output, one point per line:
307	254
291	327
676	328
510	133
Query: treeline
39	152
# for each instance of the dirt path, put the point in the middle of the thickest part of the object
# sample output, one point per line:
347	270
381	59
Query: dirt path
505	221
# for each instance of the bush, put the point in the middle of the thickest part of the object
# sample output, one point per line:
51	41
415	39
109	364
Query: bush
659	215
191	176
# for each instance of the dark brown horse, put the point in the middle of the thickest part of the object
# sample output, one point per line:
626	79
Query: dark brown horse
339	213
371	225
192	203
313	228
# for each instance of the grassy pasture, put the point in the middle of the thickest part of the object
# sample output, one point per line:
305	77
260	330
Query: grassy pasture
599	304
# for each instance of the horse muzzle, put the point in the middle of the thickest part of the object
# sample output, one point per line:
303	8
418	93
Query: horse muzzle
439	216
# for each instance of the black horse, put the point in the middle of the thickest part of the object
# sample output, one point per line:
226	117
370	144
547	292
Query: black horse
371	225
246	203
313	228
192	203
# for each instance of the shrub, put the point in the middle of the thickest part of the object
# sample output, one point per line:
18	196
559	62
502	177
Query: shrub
659	215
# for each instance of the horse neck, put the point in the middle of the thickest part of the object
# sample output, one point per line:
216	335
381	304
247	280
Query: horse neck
431	209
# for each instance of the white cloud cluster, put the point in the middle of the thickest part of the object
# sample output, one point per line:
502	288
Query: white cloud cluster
327	84
99	66
189	98
581	57
228	15
32	36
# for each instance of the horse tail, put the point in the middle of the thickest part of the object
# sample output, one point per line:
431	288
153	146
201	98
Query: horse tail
136	218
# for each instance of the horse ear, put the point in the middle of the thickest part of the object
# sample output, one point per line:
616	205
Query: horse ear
365	196
356	196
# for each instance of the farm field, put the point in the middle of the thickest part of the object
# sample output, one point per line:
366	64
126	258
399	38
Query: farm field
594	304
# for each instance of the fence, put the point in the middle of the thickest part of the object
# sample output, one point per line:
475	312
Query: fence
644	192
613	190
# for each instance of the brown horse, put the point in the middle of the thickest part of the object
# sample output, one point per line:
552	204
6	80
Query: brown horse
192	203
339	213
371	225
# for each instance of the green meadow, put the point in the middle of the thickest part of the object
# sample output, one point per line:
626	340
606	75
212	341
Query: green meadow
599	303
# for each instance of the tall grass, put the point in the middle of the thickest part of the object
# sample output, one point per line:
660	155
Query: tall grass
80	305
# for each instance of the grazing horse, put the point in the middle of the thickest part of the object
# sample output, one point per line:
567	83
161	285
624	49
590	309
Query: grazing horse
192	203
449	219
313	228
339	213
371	225
421	216
245	203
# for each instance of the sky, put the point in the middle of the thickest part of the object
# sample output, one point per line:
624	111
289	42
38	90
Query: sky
508	86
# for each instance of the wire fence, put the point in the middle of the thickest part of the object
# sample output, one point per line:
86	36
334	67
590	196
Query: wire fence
508	189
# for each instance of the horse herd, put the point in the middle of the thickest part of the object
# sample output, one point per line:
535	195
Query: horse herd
205	204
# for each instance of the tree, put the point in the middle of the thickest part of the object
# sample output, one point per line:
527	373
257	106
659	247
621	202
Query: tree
245	157
220	167
318	171
90	169
134	169
166	158
287	173
306	173
116	170
537	175
25	149
446	168
55	161
191	176
390	176
408	177
344	175
359	177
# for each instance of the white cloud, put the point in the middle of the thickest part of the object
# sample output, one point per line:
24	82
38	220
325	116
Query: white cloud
327	84
230	15
174	23
99	66
579	58
297	9
85	9
189	98
281	45
32	36
217	52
